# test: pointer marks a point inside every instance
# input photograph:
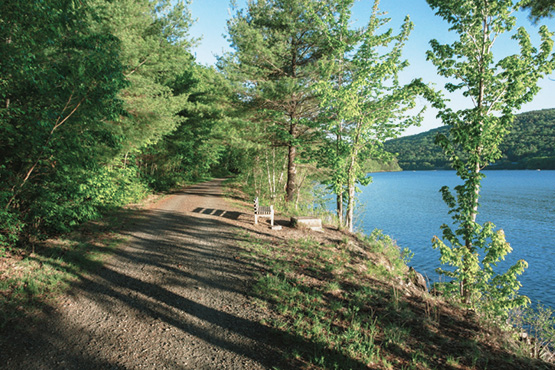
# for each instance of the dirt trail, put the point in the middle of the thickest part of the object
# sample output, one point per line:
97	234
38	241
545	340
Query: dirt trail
174	297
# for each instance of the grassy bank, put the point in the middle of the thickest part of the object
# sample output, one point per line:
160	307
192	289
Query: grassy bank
349	304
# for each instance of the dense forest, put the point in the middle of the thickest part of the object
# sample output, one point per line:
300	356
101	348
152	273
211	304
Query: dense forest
102	103
530	144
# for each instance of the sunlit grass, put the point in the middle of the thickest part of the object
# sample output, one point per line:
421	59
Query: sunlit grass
336	318
344	306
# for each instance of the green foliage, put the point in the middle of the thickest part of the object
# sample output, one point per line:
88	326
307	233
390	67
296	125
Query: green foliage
87	86
384	165
492	293
419	152
528	145
362	101
154	54
539	8
10	224
203	139
475	134
59	88
378	242
276	48
539	322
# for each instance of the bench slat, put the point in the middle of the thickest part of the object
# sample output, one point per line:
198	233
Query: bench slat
263	211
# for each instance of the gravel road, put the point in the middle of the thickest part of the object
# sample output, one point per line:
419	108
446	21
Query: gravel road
174	297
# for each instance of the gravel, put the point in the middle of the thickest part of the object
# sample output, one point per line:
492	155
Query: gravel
174	297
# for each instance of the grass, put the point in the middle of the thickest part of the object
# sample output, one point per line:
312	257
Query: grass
345	305
32	279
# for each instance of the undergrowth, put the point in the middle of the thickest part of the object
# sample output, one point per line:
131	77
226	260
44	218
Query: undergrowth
346	305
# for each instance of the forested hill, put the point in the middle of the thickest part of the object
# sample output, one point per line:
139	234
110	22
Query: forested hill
529	145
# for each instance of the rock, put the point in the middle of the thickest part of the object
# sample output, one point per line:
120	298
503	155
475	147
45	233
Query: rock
417	279
276	227
307	223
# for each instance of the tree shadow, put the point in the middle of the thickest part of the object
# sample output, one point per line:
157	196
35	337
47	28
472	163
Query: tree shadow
232	215
179	270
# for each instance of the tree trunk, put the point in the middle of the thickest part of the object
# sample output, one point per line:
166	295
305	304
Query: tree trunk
350	206
269	175
340	209
281	184
465	284
291	174
351	178
339	140
291	165
274	186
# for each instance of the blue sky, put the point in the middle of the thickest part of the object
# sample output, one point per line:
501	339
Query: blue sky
211	16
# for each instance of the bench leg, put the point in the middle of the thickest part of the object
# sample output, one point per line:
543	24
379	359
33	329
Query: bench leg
272	219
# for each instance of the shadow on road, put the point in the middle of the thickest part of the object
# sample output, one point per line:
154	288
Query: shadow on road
175	296
232	215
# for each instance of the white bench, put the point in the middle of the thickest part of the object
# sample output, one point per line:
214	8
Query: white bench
263	211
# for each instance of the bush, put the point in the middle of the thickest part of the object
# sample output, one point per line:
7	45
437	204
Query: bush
539	322
10	224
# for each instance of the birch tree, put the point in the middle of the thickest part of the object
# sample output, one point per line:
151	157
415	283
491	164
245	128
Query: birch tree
364	100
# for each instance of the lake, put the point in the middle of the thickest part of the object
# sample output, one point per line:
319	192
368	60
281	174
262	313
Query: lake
408	207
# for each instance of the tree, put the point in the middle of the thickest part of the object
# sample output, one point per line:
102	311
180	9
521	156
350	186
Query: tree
335	69
200	141
154	52
59	85
363	100
276	47
85	83
539	8
158	67
496	89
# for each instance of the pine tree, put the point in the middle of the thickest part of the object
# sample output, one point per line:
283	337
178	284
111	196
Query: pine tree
276	49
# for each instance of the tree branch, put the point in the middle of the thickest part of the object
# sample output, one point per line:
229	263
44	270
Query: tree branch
59	122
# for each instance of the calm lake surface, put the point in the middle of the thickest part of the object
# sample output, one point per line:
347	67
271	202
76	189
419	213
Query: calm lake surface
408	207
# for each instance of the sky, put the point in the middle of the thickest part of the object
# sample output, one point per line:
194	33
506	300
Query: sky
211	17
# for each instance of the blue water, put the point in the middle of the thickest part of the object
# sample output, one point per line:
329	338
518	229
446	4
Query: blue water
408	207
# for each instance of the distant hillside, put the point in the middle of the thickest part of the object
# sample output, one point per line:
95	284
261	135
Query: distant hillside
529	145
